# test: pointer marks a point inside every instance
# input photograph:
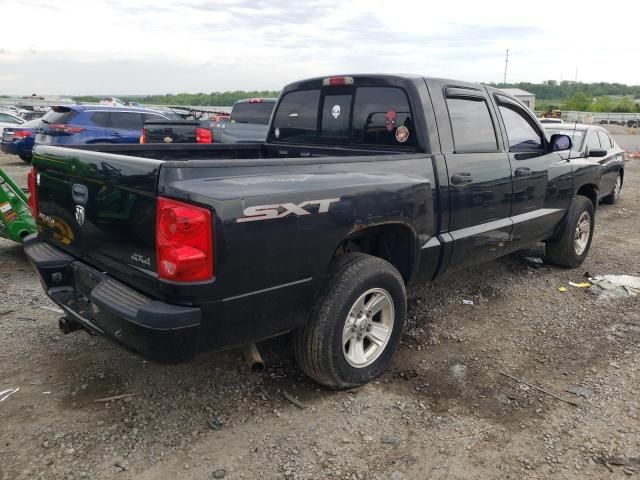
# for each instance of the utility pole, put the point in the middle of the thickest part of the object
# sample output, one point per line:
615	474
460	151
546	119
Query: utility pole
576	79
506	64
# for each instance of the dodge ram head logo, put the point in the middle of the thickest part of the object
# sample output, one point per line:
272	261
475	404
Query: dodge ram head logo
281	210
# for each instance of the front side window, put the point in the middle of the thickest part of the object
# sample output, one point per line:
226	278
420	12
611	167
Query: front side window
471	125
605	140
593	141
522	135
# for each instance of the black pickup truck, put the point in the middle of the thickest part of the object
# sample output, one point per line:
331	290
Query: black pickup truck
365	185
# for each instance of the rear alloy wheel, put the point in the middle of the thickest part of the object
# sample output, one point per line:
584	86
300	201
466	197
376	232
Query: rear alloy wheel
571	246
356	323
25	158
614	196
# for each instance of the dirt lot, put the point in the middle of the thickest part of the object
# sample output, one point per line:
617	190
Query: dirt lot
443	410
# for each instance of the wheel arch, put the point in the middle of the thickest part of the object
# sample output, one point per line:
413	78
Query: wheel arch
395	242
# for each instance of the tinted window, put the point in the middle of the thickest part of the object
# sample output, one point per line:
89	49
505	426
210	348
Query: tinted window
378	113
59	115
336	113
100	118
152	117
522	136
472	126
605	140
126	120
297	117
252	112
592	141
8	118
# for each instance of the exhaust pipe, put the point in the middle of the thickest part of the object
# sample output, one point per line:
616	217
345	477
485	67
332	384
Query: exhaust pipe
253	358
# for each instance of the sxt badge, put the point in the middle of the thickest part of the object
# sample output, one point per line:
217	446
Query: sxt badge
281	210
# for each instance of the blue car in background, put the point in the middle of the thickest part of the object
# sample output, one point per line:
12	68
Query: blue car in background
20	140
84	124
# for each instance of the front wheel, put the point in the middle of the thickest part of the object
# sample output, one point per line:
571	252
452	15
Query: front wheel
572	245
356	323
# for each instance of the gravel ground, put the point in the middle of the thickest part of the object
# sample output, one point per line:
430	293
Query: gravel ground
444	409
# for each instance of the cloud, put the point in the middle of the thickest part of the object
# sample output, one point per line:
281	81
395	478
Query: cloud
159	46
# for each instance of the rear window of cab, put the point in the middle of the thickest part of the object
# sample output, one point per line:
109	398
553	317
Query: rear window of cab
363	116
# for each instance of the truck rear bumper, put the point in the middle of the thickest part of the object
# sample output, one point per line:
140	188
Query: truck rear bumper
159	331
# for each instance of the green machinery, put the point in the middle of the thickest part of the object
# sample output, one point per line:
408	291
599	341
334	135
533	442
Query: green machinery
16	221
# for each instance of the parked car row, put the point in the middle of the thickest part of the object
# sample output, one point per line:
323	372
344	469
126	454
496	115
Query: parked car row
118	124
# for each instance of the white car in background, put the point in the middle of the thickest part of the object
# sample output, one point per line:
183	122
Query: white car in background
8	119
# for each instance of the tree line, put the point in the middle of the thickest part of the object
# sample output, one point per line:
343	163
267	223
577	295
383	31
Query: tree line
217	99
584	97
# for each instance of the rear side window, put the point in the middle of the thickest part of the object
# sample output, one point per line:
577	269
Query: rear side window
522	136
252	112
151	117
471	124
59	115
605	140
100	118
297	117
126	120
378	113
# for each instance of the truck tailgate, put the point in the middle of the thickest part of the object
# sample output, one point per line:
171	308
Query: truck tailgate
101	211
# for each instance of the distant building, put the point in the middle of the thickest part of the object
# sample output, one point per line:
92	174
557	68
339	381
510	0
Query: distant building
528	98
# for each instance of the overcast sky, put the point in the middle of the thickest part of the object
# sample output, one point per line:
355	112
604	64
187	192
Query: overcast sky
140	46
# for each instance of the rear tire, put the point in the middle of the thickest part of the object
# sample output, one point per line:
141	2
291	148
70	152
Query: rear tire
613	197
572	245
25	158
356	323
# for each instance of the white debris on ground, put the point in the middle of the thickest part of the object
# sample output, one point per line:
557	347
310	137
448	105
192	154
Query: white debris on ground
616	285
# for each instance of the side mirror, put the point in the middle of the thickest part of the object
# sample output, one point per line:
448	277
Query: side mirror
597	152
560	142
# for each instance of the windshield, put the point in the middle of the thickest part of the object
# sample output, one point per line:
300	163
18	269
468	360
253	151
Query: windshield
577	136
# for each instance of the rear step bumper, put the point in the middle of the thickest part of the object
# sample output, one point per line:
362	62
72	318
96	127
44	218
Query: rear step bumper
159	331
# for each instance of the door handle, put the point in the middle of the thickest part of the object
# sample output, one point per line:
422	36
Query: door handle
461	178
115	134
523	172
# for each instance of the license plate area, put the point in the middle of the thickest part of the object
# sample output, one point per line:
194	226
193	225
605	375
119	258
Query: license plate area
7	137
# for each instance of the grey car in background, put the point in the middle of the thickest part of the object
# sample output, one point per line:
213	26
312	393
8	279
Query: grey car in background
595	143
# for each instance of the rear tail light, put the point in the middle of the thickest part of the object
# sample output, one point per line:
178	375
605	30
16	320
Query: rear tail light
22	134
64	128
184	241
335	81
204	135
32	184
